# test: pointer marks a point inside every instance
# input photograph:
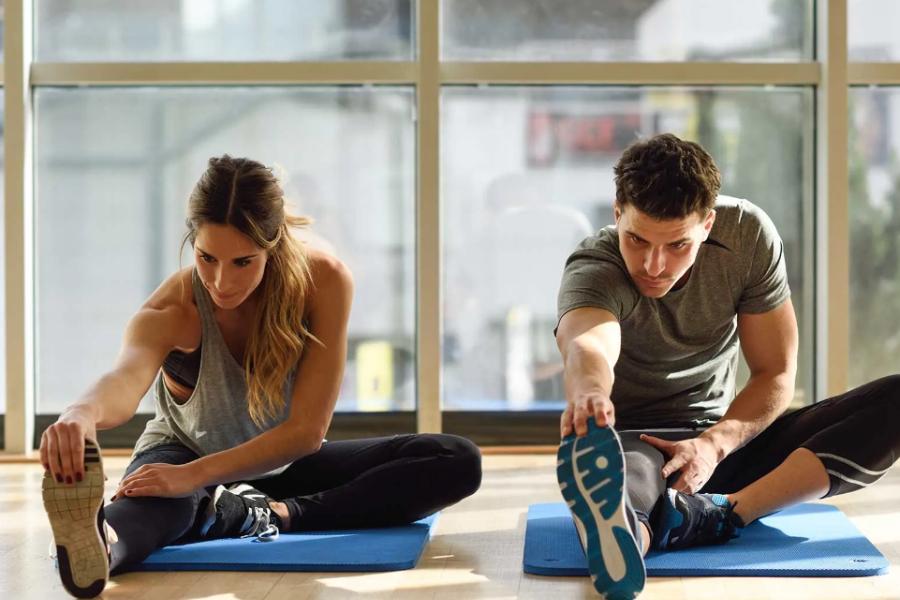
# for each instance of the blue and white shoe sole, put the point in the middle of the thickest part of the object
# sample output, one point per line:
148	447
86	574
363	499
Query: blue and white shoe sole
591	475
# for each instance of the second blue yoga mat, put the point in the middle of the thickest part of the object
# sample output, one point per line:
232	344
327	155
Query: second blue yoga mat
385	549
808	540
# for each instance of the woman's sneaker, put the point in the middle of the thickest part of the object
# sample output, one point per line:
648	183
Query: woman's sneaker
75	511
591	475
240	510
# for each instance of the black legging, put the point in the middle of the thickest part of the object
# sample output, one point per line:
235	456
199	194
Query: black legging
856	435
372	482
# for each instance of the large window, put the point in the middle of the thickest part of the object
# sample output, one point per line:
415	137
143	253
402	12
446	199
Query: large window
527	174
114	168
453	154
627	30
222	30
874	233
874	191
872	30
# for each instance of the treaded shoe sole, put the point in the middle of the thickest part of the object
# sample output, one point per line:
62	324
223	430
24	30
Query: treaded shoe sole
591	475
75	512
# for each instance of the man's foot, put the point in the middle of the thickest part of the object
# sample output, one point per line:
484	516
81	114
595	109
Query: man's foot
695	520
591	475
75	511
240	510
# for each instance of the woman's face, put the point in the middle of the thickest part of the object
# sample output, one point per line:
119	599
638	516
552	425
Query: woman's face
230	264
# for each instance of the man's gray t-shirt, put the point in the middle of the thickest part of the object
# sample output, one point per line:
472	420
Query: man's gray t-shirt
679	353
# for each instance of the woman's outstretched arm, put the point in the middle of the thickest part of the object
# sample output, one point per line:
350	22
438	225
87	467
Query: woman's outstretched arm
114	397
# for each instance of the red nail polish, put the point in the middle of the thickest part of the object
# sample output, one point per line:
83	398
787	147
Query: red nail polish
59	478
68	479
46	467
78	477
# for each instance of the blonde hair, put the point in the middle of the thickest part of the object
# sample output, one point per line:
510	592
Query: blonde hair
246	195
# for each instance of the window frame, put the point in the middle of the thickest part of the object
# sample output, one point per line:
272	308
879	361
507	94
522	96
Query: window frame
829	73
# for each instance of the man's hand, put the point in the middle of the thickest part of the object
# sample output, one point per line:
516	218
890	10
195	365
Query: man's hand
576	414
695	458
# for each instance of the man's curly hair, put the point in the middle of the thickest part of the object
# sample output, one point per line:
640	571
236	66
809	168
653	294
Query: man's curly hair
667	178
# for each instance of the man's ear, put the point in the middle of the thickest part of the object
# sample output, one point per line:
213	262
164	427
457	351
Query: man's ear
708	222
617	212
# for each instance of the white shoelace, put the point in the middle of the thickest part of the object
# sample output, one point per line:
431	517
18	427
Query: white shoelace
259	525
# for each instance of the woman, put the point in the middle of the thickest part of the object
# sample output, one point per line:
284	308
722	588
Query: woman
247	349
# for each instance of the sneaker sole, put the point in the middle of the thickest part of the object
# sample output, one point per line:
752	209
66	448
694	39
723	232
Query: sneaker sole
591	475
75	512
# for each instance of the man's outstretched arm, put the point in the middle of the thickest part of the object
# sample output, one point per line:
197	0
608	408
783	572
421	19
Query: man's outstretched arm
589	340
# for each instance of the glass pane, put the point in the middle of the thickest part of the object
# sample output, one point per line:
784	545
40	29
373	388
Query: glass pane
223	30
114	168
527	174
874	234
627	30
872	30
2	262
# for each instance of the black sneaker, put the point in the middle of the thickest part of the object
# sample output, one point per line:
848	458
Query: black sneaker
75	511
240	510
695	520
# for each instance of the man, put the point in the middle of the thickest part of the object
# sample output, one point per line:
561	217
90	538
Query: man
651	313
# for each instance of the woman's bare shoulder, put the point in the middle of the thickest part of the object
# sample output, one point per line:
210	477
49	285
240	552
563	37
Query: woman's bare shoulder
328	272
176	291
173	303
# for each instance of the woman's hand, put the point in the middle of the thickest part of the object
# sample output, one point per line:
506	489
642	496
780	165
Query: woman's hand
62	444
161	480
695	458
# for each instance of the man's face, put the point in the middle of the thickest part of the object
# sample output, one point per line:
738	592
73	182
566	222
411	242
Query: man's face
659	253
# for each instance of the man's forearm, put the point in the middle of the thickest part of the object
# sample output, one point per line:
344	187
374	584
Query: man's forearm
761	401
587	370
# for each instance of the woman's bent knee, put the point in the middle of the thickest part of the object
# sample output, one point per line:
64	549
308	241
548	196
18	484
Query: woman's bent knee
459	464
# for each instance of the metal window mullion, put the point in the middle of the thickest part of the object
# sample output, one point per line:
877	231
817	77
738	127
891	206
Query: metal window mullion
832	214
460	73
630	73
887	73
19	422
428	225
226	73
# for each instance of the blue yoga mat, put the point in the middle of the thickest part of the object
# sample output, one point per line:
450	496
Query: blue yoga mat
808	540
384	549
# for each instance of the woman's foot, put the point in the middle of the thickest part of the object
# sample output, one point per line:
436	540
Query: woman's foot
75	511
240	510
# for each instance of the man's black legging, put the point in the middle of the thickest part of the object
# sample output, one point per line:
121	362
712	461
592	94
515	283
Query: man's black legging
856	435
374	482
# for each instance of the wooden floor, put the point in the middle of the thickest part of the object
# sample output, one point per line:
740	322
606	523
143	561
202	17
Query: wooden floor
476	552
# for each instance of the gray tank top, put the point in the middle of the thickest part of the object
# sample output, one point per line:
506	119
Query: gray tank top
215	417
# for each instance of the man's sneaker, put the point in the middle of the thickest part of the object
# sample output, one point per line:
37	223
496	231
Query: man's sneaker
695	520
75	511
591	475
240	510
